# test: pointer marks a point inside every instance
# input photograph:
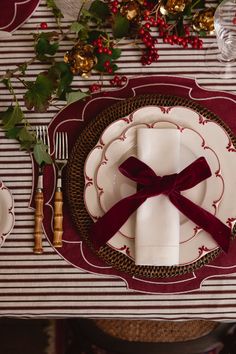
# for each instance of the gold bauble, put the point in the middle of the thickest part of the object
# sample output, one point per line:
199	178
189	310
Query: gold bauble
81	59
173	7
204	20
131	10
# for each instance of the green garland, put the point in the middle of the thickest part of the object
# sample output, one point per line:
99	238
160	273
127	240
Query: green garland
55	82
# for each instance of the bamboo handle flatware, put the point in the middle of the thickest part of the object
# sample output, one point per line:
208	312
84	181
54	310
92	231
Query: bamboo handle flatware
42	134
61	157
38	222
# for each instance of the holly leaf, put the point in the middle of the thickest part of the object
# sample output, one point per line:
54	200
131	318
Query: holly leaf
77	27
62	74
7	83
116	53
56	11
120	26
25	135
93	35
46	46
39	93
26	138
12	116
100	9
101	59
75	96
13	133
40	153
86	16
80	30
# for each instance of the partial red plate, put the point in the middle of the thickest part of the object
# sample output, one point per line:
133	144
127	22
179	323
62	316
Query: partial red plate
13	13
73	119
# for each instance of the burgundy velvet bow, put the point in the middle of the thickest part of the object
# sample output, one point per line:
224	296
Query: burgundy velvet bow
149	185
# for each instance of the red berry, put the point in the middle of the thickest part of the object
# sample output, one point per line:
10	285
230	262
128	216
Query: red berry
43	25
147	25
114	10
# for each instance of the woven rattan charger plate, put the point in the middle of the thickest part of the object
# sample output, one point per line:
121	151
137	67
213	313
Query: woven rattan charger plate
75	181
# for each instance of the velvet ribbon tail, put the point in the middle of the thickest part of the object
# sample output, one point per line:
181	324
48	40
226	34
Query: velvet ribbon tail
205	220
110	223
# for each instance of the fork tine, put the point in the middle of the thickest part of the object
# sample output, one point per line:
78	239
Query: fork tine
42	134
56	147
61	146
47	139
66	146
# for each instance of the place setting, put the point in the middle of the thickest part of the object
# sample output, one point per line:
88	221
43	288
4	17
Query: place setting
109	136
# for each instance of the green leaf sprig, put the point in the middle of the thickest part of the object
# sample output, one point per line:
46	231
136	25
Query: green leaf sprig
104	23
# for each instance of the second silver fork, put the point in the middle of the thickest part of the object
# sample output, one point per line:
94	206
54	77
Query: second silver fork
61	157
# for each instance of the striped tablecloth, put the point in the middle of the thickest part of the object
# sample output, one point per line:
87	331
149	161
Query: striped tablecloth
46	285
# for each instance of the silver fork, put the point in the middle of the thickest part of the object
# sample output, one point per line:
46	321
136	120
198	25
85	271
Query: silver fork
61	157
41	134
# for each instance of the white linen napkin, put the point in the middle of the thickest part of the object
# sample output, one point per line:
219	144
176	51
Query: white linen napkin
157	219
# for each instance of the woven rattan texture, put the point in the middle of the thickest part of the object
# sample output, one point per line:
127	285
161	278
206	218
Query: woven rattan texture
156	331
75	181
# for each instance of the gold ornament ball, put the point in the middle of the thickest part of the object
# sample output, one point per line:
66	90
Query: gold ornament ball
131	10
204	20
81	59
173	7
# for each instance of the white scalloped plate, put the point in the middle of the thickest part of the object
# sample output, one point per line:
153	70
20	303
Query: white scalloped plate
217	148
7	218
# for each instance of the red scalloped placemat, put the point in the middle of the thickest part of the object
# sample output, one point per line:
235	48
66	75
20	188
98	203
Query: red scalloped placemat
73	119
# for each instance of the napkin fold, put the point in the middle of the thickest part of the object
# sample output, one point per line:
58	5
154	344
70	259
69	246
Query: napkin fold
157	219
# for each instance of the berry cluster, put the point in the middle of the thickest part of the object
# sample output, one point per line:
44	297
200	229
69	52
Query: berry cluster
95	87
114	6
150	54
108	67
118	81
103	46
